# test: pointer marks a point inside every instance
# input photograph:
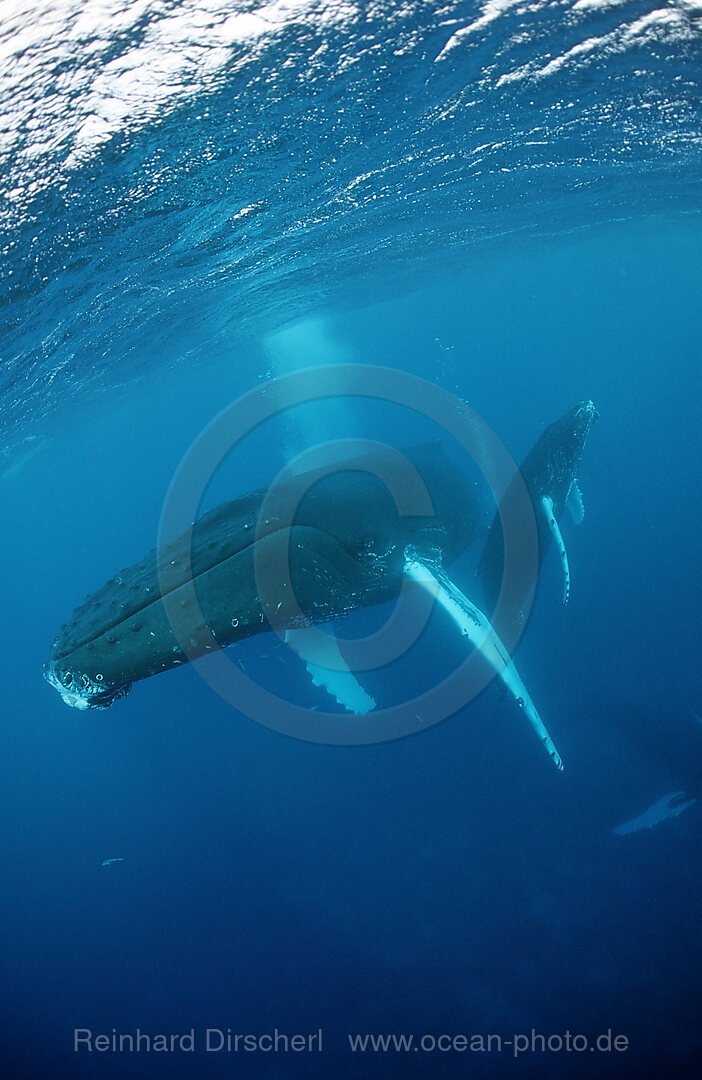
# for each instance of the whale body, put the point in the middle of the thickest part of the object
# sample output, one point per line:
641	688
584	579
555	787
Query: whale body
330	541
345	545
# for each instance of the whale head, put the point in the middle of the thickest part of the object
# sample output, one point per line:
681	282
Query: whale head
553	463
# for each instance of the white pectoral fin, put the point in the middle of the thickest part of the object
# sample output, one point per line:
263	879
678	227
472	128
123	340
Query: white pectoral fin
547	506
669	806
475	625
574	503
329	670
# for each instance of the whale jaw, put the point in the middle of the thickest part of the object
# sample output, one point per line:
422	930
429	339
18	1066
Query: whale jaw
82	693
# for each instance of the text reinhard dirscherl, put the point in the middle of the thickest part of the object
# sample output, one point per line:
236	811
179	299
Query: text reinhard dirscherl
212	1040
218	1040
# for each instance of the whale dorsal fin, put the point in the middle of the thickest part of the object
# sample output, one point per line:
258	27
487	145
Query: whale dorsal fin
574	503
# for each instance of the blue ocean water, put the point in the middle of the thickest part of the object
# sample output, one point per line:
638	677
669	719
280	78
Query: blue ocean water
503	199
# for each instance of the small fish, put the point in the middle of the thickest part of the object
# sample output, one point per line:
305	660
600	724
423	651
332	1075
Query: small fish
108	862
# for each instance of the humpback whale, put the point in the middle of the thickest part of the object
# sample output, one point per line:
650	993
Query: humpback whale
667	742
345	544
346	539
668	806
550	472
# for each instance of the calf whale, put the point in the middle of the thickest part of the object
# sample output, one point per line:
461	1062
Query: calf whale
550	471
345	541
